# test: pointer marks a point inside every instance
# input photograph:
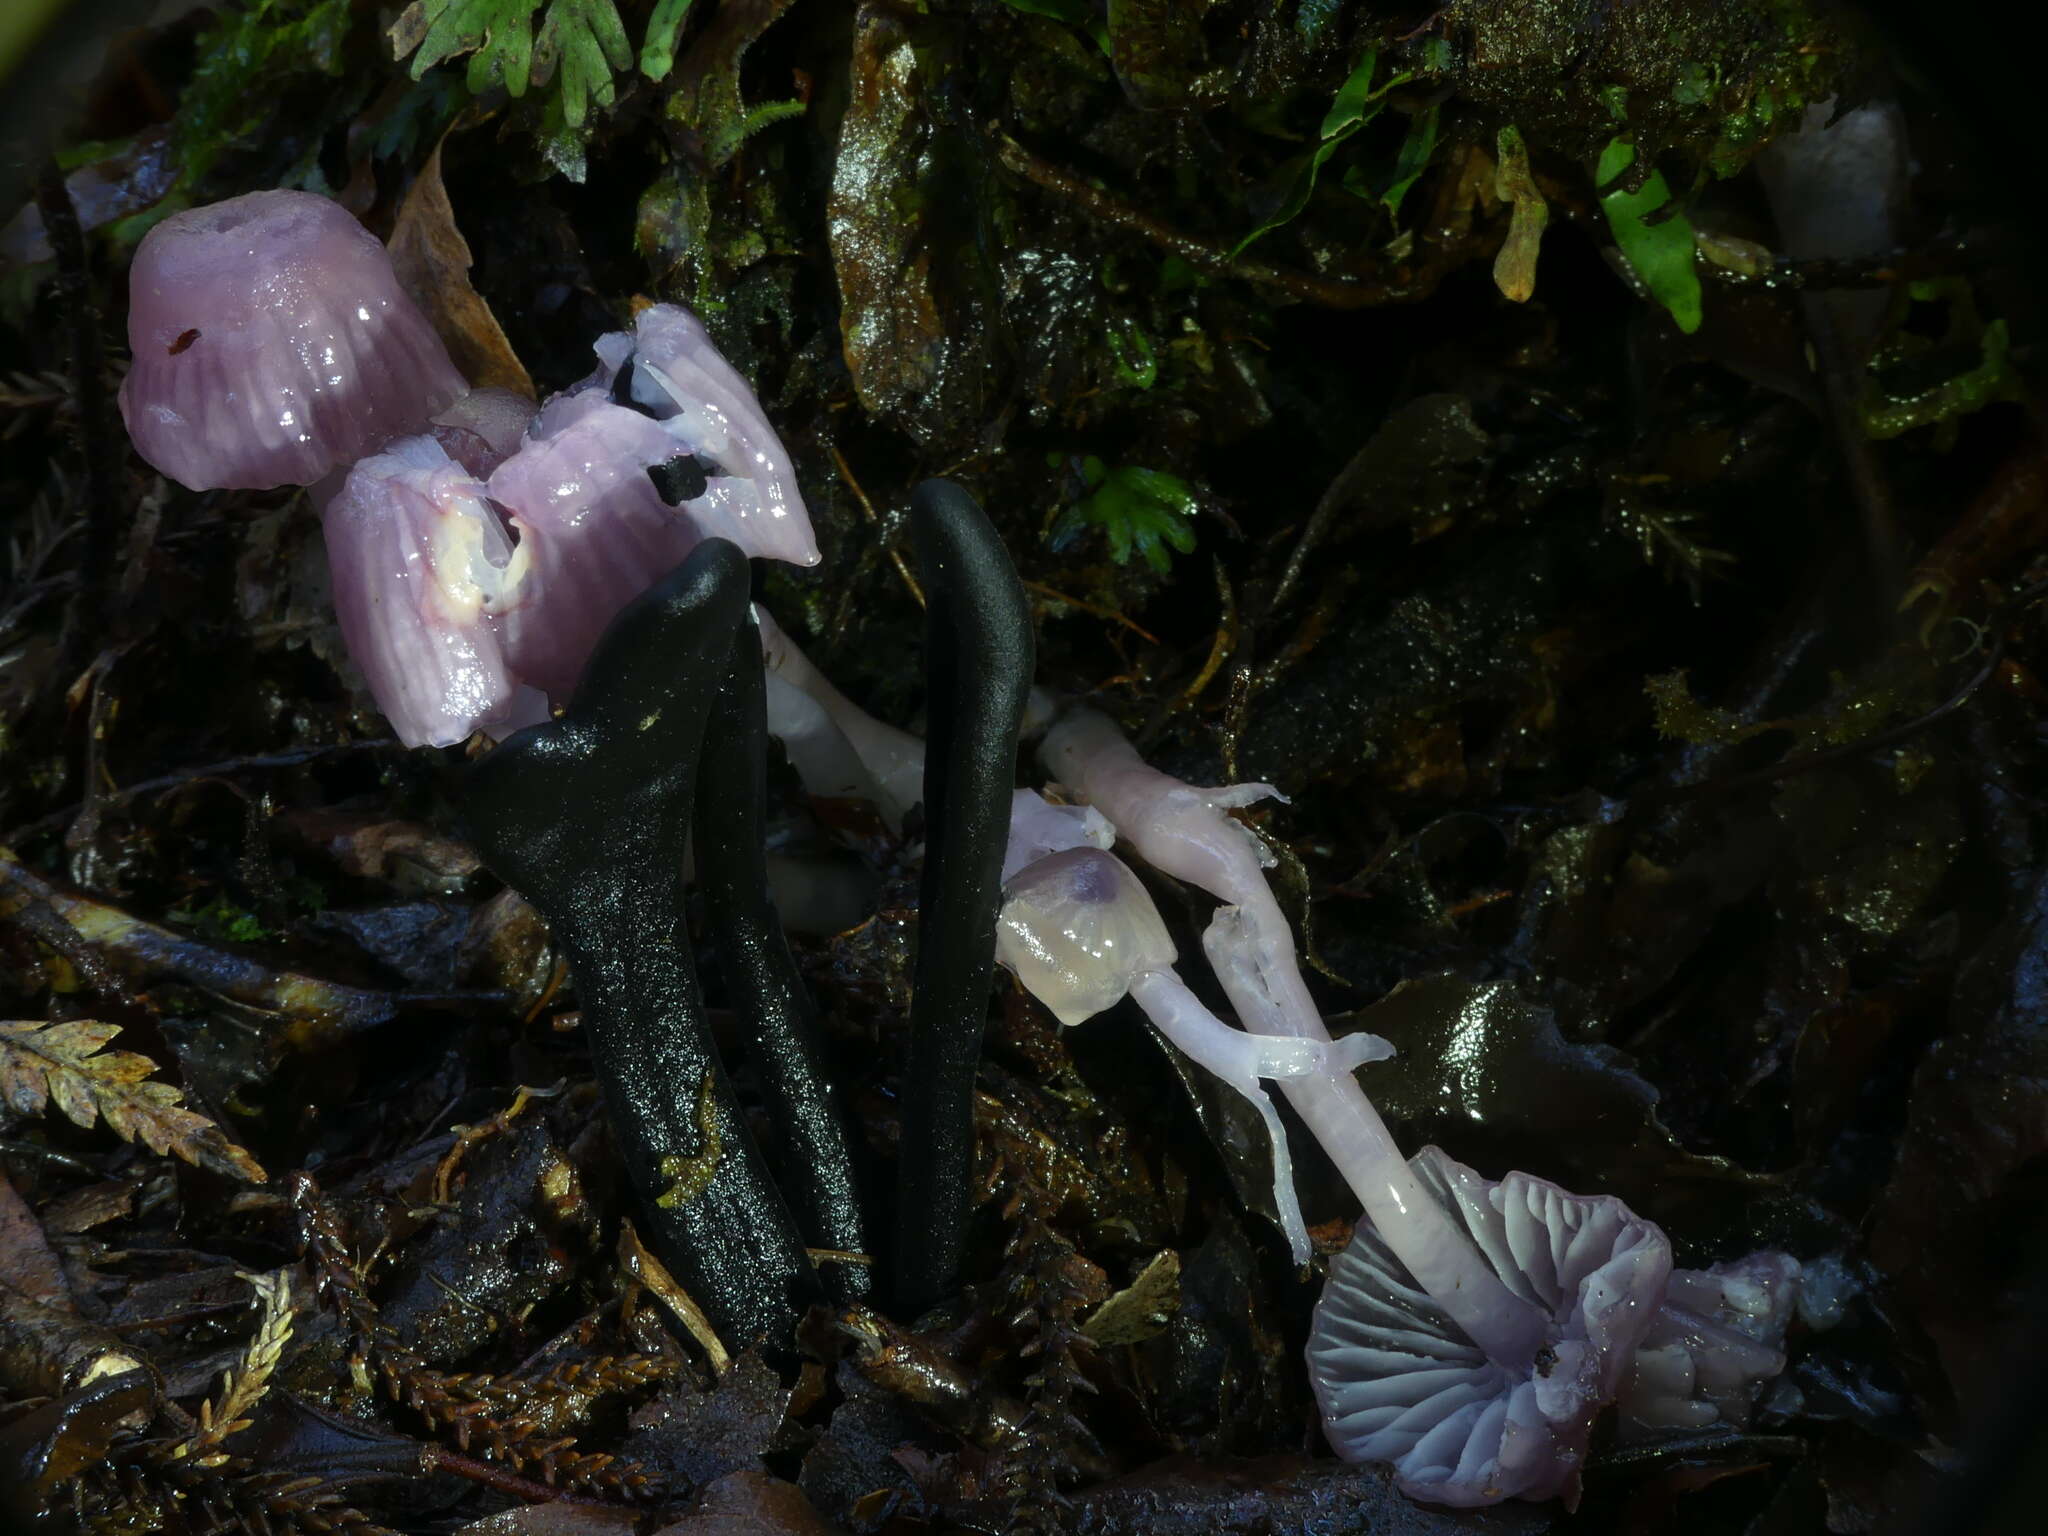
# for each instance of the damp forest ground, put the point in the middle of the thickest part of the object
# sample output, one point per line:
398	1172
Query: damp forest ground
1660	704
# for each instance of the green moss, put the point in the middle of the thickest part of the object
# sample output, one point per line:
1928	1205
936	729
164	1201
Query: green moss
1918	380
250	61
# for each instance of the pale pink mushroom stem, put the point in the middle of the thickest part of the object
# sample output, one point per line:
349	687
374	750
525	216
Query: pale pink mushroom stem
1184	832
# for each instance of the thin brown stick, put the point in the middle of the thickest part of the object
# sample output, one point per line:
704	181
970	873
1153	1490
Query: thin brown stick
1225	641
1051	594
435	1458
875	522
1408	285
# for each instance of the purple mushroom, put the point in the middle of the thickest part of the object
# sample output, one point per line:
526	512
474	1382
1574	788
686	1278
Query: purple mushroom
739	483
272	344
1474	1329
621	477
422	564
598	533
1399	1381
1081	933
478	549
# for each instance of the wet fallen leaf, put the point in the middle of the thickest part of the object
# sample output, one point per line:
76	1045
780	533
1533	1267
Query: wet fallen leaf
1142	1308
751	1503
26	1260
1514	269
698	1437
562	1518
433	261
67	1063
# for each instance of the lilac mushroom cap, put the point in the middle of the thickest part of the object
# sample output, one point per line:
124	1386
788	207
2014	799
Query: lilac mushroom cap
596	531
272	344
1718	1335
421	565
1400	1382
619	479
1077	929
1038	827
677	377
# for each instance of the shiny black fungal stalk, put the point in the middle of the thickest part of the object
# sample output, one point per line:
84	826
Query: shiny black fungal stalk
978	661
776	1015
588	816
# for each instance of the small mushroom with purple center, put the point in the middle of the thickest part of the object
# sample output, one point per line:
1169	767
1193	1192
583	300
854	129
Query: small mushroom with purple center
1080	932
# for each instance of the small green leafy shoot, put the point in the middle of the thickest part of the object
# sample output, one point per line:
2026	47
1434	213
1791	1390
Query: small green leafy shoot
1357	102
221	919
1680	716
496	34
1916	378
1661	250
658	51
1142	509
1130	350
585	42
581	45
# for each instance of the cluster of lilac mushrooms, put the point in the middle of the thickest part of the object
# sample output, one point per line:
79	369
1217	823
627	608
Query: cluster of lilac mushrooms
480	547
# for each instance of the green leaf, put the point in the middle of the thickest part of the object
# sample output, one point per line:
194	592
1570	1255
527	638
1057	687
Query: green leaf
1357	102
496	34
1142	509
584	40
1514	267
658	51
580	47
1411	162
706	99
1919	380
1131	351
1662	252
1348	108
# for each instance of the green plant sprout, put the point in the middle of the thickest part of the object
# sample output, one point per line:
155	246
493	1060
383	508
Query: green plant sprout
581	45
658	51
1142	509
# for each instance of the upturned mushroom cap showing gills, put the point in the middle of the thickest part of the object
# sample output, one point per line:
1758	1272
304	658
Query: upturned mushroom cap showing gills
272	344
1399	1382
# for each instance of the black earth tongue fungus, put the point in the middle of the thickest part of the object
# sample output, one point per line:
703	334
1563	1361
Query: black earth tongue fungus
588	816
776	1015
978	660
